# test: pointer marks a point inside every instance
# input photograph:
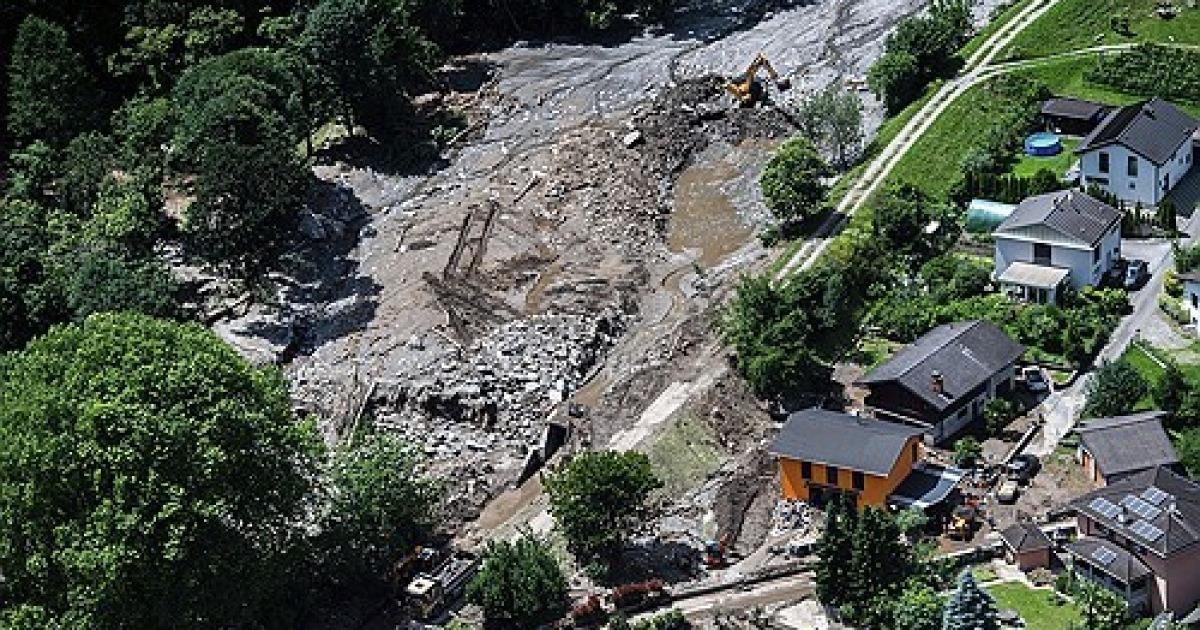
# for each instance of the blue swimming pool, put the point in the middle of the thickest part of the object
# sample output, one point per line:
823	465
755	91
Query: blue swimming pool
1043	143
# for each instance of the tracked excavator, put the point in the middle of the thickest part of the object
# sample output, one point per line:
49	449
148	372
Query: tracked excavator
748	89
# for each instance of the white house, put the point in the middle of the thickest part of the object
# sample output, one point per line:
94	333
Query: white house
1191	296
1139	152
1059	238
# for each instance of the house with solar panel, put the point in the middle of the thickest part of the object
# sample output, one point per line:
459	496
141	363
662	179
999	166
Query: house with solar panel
1139	152
941	381
1111	449
1062	238
1140	538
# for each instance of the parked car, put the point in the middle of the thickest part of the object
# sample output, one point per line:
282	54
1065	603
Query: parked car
1135	273
1023	467
1035	379
1008	491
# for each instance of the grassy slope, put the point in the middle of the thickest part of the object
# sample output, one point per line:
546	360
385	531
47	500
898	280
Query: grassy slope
1000	20
1075	24
1034	606
684	455
933	161
1065	78
1149	370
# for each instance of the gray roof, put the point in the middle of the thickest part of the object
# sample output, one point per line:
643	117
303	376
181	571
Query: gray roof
1189	276
1074	214
966	354
1153	129
1175	516
1128	443
1120	563
1025	537
1073	108
838	439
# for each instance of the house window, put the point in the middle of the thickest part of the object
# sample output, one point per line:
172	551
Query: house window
1041	253
1096	255
915	453
831	475
1132	186
806	470
859	481
1103	162
1131	165
1195	301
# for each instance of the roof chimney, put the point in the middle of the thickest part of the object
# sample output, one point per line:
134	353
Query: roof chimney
938	383
1148	110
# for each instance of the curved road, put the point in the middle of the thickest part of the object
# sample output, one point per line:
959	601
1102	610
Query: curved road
980	69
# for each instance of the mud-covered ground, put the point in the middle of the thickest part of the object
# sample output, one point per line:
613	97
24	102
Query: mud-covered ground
611	180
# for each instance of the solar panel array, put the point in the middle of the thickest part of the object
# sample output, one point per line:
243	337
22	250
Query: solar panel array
1104	555
1140	507
1155	495
1104	507
1148	531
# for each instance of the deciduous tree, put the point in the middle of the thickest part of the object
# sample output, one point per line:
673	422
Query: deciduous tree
792	181
598	498
1115	389
151	478
519	584
49	89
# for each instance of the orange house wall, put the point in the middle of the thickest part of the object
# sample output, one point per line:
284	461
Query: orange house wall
875	490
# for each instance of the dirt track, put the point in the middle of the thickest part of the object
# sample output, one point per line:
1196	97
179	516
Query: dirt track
598	223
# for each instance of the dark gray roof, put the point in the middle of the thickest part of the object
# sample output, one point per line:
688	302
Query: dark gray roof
927	485
1025	537
1189	276
1073	108
1120	563
1128	443
838	439
966	354
1177	518
1075	215
1153	129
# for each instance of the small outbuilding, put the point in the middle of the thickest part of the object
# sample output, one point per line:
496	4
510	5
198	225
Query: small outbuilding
1111	449
1026	546
1073	116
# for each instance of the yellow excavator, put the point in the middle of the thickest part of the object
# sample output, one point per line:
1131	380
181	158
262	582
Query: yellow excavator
748	90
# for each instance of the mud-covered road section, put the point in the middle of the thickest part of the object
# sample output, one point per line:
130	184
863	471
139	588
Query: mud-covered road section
552	259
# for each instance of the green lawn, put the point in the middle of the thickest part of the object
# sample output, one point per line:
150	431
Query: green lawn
1027	165
1034	606
1145	366
1065	78
1074	24
932	163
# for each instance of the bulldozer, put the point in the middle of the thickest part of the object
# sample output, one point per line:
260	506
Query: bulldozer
748	89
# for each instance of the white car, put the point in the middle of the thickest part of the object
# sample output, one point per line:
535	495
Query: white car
1035	379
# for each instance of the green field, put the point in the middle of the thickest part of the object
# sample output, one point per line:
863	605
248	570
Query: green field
1065	78
1027	165
1034	606
1074	24
932	163
1148	368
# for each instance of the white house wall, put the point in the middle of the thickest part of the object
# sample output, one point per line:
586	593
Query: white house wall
1191	301
1147	187
1079	261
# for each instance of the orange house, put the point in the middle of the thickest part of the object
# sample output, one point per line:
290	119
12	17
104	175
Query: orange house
825	453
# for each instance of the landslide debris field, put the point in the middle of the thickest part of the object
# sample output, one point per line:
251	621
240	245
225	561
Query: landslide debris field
568	253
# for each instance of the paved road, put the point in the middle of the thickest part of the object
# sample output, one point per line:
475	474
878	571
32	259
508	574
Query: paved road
1061	409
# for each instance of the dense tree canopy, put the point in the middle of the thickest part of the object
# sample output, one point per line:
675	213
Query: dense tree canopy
519	584
49	91
792	182
598	498
1114	390
132	498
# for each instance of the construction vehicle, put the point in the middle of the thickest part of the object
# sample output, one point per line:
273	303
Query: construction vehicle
748	89
962	523
429	594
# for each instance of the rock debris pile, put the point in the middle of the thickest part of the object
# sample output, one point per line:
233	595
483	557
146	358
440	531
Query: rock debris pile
495	394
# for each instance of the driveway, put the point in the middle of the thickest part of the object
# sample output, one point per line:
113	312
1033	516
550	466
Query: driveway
1062	408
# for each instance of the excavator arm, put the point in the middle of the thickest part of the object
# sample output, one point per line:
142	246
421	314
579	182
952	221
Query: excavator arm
743	88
